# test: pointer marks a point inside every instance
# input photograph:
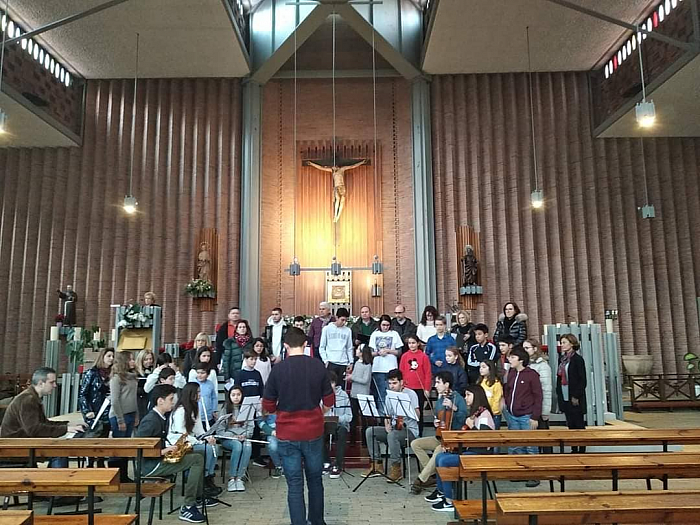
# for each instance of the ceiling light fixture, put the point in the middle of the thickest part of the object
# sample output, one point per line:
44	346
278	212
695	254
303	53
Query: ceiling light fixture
644	111
3	115
130	202
537	196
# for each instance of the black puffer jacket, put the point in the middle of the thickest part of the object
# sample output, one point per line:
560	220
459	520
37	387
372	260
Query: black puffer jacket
94	389
518	330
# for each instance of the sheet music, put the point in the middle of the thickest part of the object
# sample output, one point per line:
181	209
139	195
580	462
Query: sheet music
367	405
248	409
400	404
104	406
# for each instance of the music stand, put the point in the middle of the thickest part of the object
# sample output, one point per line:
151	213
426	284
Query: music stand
400	405
368	407
220	423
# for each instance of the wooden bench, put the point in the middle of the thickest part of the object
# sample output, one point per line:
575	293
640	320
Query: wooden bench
81	519
155	491
16	517
577	466
55	480
599	507
35	448
577	438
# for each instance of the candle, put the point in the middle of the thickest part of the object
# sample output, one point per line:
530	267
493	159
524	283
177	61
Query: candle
97	335
114	335
78	332
590	322
54	333
545	330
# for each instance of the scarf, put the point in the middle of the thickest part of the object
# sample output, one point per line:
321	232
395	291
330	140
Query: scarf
241	339
507	323
561	371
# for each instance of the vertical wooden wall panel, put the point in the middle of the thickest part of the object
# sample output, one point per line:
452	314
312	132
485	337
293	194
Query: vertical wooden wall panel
588	249
61	220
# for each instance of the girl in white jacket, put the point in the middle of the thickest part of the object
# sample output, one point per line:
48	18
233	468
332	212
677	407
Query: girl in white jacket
185	419
539	363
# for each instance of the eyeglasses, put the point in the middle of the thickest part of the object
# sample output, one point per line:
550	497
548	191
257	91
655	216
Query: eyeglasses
398	312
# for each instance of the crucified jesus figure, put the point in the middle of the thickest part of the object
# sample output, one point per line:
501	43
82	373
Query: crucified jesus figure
339	190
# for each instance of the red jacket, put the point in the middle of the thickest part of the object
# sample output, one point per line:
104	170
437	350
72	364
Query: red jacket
415	368
523	393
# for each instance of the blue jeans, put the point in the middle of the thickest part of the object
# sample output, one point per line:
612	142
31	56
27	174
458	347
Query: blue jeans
58	463
273	450
292	453
445	459
240	456
209	458
129	419
380	386
519	423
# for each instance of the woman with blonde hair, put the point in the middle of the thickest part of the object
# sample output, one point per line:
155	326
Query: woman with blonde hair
200	340
463	332
123	413
145	361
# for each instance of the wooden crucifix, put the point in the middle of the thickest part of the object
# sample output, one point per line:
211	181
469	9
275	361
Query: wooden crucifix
338	173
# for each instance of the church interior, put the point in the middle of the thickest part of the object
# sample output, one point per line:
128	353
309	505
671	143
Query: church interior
464	155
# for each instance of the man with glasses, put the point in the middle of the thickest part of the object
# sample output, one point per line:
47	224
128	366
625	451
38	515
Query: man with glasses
401	324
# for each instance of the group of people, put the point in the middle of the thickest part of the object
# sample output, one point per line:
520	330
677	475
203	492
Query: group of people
479	382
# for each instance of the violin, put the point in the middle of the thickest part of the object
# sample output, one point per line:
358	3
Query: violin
444	416
399	423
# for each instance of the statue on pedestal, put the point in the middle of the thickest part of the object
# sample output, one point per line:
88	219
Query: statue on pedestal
69	298
204	262
339	189
470	266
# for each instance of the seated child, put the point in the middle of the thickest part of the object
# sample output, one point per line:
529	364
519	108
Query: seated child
343	411
237	435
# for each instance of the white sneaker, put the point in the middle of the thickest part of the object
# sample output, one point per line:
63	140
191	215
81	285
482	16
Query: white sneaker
240	486
231	487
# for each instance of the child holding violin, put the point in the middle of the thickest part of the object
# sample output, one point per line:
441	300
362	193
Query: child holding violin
450	413
480	418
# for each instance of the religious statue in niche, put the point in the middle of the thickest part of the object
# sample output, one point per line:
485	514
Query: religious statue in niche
204	262
69	298
470	266
339	189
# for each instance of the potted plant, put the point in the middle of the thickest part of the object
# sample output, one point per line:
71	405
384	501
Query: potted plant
134	317
59	320
200	288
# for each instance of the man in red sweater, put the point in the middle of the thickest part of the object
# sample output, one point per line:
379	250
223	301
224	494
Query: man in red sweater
295	389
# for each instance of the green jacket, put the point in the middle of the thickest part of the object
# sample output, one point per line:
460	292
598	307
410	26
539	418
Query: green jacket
233	357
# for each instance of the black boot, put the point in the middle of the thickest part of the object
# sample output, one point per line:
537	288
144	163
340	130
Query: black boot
211	489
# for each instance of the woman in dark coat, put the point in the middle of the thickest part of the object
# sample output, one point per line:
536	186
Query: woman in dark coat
571	385
511	322
234	348
94	389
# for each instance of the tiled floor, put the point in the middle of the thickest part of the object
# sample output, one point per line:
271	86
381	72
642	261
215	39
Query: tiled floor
377	502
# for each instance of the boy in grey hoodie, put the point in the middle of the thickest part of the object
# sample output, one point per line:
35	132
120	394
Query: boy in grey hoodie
339	431
336	345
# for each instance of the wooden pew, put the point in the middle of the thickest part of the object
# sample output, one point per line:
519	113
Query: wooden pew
81	519
577	438
599	507
16	517
36	448
577	466
54	480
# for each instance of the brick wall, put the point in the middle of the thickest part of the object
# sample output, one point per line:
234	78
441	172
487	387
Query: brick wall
354	122
588	249
62	223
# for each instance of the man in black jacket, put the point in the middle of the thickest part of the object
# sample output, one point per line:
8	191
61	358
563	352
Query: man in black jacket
274	334
401	324
227	329
155	424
